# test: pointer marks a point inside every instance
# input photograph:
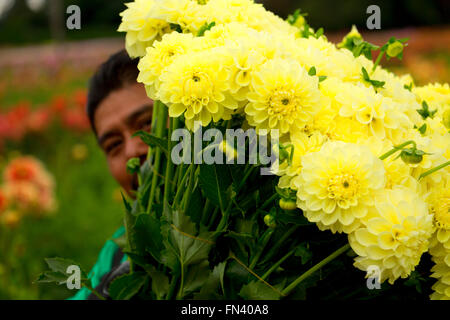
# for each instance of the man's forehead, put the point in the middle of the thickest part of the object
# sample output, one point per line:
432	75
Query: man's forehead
120	107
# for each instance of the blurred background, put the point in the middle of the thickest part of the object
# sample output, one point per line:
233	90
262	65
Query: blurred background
44	71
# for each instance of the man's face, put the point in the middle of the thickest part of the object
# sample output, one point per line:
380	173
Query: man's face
117	118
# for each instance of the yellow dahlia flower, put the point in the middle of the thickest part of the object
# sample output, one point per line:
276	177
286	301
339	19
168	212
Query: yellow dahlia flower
160	56
196	85
337	184
303	144
282	96
141	30
395	234
397	172
189	15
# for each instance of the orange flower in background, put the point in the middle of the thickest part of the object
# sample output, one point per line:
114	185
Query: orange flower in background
28	187
24	195
80	98
58	104
3	201
39	120
75	119
23	169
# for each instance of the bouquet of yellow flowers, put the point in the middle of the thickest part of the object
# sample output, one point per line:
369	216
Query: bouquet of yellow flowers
281	148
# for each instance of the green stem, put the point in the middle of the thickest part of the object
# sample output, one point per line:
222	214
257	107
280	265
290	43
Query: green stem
181	188
276	265
246	176
205	212
318	266
426	173
213	217
269	201
176	178
377	62
161	111
172	288
95	292
169	166
266	237
193	174
281	241
397	148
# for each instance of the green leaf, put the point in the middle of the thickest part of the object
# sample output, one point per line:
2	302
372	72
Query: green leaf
214	181
375	83
196	277
127	286
160	282
152	141
210	288
183	246
52	276
207	26
61	265
195	209
303	252
322	78
148	236
312	71
257	290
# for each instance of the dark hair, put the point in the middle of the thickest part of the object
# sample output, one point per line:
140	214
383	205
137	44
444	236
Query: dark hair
117	72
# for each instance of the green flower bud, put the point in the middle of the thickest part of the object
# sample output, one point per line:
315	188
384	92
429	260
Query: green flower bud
288	204
133	165
394	49
412	156
269	220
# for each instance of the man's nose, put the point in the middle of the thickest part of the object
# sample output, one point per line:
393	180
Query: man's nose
136	148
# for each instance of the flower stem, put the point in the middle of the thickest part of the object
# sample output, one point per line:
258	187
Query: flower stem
181	188
169	166
318	266
397	148
426	173
276	265
280	242
377	62
161	112
269	201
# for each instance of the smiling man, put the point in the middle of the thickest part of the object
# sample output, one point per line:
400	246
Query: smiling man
117	107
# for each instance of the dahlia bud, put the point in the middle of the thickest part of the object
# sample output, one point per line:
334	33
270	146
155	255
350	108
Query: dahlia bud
288	204
394	49
269	220
412	156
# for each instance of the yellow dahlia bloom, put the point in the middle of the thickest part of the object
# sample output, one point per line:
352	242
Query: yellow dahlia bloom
395	234
434	94
160	56
196	85
337	184
397	172
303	144
141	30
439	206
187	14
282	96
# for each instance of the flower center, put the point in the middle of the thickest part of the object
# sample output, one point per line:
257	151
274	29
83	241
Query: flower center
343	187
441	211
283	104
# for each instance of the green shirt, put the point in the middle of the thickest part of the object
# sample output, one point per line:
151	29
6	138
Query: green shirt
102	266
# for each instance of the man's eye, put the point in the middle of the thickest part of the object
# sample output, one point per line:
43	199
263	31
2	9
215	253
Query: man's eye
111	147
145	124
